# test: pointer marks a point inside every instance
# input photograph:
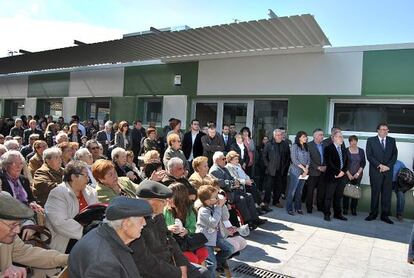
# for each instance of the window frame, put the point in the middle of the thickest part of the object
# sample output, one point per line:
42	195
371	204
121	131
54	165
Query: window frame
145	108
368	101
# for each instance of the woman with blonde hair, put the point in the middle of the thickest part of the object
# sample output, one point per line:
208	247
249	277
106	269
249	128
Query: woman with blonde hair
201	176
174	150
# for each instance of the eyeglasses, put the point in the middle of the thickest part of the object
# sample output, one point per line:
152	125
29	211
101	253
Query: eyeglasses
224	159
12	226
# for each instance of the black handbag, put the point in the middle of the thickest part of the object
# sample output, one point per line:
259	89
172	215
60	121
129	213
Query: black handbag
405	180
191	242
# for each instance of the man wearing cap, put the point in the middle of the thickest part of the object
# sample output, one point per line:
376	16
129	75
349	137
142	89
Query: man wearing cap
156	253
13	249
105	251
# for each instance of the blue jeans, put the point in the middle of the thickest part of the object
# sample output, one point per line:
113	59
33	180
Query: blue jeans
294	193
411	245
400	199
214	261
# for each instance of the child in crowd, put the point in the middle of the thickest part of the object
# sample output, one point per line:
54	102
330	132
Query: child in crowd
209	216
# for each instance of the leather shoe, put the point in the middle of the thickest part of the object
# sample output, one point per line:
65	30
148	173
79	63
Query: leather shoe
327	218
291	212
341	217
266	208
386	219
400	218
299	211
252	226
260	221
370	217
278	205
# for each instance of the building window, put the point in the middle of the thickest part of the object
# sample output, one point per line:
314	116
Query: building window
153	111
14	108
364	117
268	115
98	109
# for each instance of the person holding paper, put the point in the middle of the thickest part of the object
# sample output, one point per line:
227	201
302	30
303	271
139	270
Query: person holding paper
336	166
298	172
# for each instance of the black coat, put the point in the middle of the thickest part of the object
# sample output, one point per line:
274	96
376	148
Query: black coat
156	251
136	137
315	159
271	159
333	163
101	138
244	161
28	132
230	141
25	183
187	145
101	253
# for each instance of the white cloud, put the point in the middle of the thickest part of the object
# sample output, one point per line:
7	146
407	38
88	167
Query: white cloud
24	32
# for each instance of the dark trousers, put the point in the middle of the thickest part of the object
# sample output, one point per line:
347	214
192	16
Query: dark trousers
245	204
345	203
273	184
318	183
252	189
334	193
284	183
381	184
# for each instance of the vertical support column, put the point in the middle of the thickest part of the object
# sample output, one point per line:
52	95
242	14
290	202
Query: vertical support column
30	106
69	107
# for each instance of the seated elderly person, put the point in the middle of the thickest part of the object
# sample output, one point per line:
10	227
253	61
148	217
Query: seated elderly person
36	161
12	145
2	150
130	166
119	158
151	156
201	176
26	150
14	250
49	175
65	202
156	253
67	153
61	137
93	148
105	251
238	173
84	155
176	173
244	201
174	150
109	185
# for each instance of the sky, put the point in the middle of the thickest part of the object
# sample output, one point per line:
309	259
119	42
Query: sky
37	25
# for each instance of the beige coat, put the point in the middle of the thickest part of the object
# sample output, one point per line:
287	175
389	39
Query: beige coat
44	180
25	254
61	207
35	163
196	180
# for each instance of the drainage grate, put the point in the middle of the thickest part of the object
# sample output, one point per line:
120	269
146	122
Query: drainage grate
257	272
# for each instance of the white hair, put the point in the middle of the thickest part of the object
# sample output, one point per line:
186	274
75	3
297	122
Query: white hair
116	152
51	153
175	161
7	158
81	153
3	149
217	155
12	145
62	136
109	124
276	131
114	224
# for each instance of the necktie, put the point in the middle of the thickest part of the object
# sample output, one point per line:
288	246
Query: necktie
383	143
340	156
225	140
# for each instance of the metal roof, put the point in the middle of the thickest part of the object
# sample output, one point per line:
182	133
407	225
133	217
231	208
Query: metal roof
294	33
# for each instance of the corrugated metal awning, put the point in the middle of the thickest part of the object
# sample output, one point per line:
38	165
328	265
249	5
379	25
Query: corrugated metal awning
286	34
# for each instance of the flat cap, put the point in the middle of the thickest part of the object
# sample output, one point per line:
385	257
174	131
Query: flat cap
12	209
123	207
153	189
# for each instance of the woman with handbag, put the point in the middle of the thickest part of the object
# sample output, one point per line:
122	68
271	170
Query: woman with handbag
180	218
356	165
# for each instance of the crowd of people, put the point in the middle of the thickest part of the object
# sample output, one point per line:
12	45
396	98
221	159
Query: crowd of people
177	204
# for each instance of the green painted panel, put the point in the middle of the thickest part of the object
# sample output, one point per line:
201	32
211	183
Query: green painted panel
124	108
159	79
81	108
388	72
49	85
307	113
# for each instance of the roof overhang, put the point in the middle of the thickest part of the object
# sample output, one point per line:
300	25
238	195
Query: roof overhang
294	34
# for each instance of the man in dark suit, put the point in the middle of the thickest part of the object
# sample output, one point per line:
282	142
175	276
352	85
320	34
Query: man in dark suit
228	138
106	137
381	153
31	130
137	133
317	170
276	158
191	145
336	161
329	140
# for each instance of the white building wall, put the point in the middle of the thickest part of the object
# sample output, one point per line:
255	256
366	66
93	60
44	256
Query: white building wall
97	83
332	73
69	107
13	87
30	106
174	107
